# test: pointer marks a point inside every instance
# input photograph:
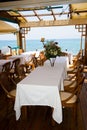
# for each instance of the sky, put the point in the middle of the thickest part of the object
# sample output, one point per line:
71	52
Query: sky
60	32
57	32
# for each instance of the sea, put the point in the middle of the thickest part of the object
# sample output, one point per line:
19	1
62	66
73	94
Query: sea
72	45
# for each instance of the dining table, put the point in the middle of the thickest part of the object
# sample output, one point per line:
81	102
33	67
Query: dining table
41	87
25	56
22	58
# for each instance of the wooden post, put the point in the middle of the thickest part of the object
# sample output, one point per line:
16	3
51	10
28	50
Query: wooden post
20	40
86	46
81	44
24	44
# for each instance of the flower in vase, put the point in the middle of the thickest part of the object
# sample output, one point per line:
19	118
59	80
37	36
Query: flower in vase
51	50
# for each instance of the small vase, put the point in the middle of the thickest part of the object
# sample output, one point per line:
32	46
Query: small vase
52	61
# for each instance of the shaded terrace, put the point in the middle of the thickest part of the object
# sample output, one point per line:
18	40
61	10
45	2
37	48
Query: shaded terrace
45	16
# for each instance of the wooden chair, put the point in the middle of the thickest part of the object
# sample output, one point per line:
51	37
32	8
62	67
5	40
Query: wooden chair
6	67
15	64
22	72
20	51
29	66
41	59
34	61
69	100
9	90
72	82
72	71
8	85
73	67
76	57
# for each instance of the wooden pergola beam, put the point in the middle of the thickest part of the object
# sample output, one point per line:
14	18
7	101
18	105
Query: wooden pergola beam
36	15
54	23
6	17
53	14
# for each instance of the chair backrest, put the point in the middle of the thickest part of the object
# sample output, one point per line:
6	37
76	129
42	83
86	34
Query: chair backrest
34	60
42	55
6	67
15	64
6	83
77	90
41	59
80	83
79	72
21	71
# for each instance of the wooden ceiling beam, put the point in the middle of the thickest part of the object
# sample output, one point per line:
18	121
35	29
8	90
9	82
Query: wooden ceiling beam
53	14
22	17
54	23
36	15
6	17
47	14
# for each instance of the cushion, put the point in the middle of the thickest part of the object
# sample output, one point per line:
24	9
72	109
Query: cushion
66	82
65	95
70	69
70	76
12	92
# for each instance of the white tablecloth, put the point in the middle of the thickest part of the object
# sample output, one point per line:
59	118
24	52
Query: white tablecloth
70	56
28	55
60	60
22	58
41	87
63	60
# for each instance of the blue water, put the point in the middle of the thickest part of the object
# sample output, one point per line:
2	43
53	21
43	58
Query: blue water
72	45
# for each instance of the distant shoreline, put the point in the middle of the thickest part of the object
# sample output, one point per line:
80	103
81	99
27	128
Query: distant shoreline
72	45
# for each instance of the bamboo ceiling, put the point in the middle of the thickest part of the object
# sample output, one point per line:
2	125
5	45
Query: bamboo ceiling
36	16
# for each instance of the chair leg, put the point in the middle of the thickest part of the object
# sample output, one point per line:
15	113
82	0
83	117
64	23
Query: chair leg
10	108
75	114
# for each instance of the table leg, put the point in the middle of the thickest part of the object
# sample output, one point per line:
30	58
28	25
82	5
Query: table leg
24	112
